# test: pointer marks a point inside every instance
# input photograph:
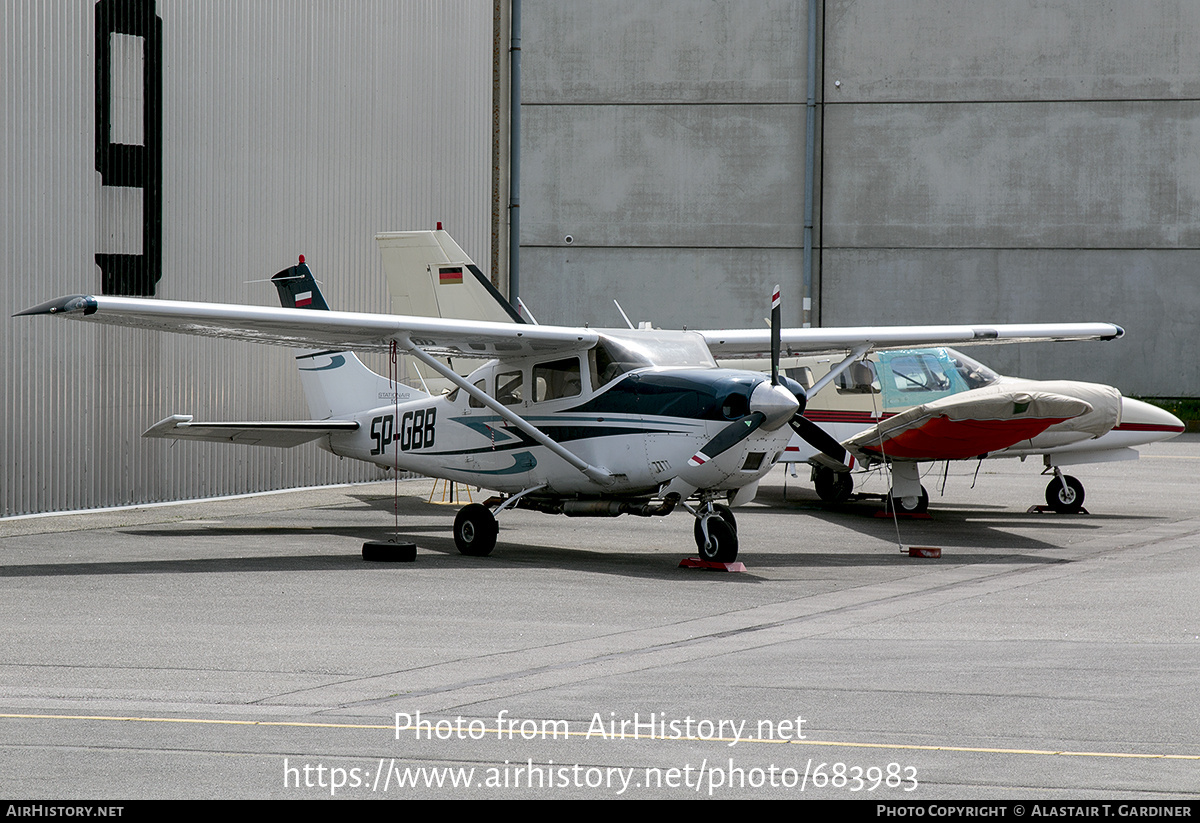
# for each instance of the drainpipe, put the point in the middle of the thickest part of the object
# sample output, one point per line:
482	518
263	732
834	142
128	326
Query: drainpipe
514	161
810	117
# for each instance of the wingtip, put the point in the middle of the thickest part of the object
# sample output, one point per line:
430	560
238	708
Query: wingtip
71	304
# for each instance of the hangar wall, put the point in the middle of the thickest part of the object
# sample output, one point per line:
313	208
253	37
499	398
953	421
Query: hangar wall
1035	160
667	140
1007	161
287	128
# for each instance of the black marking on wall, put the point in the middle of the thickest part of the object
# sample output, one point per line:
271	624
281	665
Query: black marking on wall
127	165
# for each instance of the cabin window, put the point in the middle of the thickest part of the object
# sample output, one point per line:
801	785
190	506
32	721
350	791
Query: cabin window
801	374
509	388
918	373
478	404
607	364
917	376
559	378
859	378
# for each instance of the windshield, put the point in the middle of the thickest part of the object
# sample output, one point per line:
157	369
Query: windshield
619	352
974	374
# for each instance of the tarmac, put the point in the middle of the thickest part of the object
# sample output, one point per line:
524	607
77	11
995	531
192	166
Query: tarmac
242	648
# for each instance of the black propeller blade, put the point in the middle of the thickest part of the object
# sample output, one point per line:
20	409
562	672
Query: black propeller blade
728	437
830	452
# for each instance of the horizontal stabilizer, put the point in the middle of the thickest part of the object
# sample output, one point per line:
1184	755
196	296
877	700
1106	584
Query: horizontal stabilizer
281	434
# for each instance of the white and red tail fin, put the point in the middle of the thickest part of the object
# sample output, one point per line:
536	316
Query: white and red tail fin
336	383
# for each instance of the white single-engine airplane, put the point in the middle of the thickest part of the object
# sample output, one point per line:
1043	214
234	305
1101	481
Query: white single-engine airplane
577	421
899	408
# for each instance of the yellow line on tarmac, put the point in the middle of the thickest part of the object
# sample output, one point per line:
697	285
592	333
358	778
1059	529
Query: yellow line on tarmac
514	733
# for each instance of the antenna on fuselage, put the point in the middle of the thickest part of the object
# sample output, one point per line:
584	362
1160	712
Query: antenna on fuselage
623	314
524	310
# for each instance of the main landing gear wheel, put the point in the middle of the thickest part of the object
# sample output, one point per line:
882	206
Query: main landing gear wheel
1065	495
919	505
722	543
475	530
833	487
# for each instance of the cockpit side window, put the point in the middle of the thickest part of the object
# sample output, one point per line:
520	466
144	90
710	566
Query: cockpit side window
916	376
607	364
509	388
558	378
918	372
482	386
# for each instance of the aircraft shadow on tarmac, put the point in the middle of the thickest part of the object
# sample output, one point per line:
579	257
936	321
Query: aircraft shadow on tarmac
984	535
977	527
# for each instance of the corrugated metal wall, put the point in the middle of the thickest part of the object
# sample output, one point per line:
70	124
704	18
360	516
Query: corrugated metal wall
287	128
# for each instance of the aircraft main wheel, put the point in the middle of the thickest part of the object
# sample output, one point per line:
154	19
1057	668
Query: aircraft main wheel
1065	497
920	506
833	487
475	530
722	544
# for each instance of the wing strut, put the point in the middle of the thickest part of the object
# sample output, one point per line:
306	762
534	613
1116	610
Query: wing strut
855	353
600	475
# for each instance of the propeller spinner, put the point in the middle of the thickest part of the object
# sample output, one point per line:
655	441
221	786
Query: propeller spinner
771	405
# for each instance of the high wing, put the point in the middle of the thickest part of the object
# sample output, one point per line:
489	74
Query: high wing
332	330
756	343
301	328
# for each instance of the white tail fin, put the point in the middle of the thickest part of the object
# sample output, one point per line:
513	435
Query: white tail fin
336	383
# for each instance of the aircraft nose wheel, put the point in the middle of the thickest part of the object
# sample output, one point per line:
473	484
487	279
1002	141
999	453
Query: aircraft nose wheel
1065	495
915	505
475	530
722	543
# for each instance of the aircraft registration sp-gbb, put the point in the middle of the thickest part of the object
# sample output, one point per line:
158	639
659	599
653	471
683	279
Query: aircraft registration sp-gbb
576	421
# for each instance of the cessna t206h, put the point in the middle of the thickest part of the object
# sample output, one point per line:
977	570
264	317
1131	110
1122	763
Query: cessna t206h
576	421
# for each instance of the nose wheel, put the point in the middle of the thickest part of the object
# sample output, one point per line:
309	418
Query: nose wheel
716	534
909	505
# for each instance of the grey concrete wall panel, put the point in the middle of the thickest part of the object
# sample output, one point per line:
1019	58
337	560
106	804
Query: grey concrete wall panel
1010	50
677	176
288	128
1152	294
672	288
676	51
1032	175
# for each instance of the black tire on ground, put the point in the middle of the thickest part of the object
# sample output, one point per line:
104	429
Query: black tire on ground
475	530
722	544
1065	497
833	487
